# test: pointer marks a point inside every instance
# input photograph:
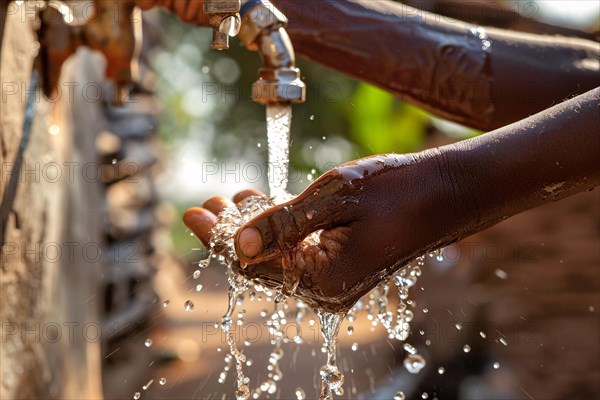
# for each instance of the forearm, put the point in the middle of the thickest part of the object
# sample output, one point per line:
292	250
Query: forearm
544	158
439	64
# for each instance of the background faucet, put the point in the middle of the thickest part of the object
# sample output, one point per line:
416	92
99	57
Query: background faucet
224	17
107	26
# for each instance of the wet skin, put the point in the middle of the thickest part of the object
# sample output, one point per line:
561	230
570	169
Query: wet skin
375	214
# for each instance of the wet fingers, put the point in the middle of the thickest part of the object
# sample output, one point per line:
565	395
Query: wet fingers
216	204
245	194
200	221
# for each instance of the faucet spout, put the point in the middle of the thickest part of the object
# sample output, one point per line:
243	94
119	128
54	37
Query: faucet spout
263	30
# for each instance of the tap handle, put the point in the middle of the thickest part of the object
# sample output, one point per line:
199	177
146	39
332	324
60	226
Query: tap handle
224	17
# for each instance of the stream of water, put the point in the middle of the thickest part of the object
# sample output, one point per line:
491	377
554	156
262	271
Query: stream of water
279	120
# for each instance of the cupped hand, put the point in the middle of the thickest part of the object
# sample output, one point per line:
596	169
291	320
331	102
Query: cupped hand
351	228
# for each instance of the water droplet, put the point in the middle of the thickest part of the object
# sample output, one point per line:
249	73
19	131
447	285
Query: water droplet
441	370
482	334
410	349
205	69
501	273
114	161
466	348
196	274
137	395
148	384
350	330
148	342
503	341
199	288
424	395
272	387
309	177
592	309
425	311
162	381
354	346
458	327
54	129
414	363
312	117
188	306
166	303
496	365
300	395
332	376
258	145
324	137
399	395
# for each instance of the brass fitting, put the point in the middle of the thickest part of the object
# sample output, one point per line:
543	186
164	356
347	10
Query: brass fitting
263	30
224	18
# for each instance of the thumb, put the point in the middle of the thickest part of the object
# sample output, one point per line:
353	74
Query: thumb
323	205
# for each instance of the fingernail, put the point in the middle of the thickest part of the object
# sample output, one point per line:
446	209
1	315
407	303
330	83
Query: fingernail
250	242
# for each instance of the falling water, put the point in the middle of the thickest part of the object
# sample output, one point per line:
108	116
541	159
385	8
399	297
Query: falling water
331	377
279	119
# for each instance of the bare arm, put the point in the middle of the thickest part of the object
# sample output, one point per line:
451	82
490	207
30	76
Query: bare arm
438	63
544	158
378	213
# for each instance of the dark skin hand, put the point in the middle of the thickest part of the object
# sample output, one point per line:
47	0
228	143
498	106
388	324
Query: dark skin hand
375	214
433	61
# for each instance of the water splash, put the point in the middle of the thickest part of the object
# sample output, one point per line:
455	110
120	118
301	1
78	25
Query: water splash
375	303
414	363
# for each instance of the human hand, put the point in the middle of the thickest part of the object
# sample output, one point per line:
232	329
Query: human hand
191	11
371	217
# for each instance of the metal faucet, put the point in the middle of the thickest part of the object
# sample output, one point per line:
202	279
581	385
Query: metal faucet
263	30
110	29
